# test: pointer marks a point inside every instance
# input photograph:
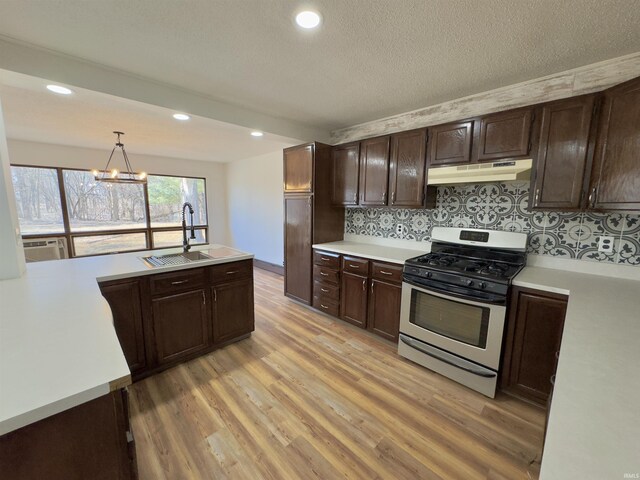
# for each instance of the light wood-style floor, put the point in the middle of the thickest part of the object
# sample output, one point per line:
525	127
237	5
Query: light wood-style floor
309	397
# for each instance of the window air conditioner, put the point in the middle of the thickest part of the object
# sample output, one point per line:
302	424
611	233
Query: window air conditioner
39	249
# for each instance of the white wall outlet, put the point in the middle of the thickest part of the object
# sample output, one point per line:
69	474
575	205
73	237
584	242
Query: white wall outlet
400	229
605	244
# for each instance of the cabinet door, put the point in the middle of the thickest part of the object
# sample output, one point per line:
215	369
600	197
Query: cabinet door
124	300
534	333
562	153
298	169
408	168
384	309
503	135
450	144
346	171
353	307
616	178
233	314
180	324
374	171
297	247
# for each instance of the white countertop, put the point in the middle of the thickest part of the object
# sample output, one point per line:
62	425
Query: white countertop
58	347
369	250
595	412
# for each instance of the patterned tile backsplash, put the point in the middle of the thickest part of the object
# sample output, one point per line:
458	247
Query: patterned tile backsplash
504	206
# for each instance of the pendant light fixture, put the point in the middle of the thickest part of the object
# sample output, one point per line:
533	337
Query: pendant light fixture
116	176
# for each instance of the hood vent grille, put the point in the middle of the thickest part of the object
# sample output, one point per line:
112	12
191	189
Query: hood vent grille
502	171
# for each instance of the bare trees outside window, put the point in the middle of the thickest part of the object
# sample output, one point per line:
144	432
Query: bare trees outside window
106	217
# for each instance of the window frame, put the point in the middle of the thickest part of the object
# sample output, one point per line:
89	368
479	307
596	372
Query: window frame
148	230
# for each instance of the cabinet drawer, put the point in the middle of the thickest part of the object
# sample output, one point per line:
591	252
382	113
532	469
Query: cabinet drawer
326	259
325	274
327	306
322	289
356	265
177	281
230	271
386	272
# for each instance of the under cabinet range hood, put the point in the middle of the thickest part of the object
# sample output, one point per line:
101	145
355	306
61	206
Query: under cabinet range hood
503	171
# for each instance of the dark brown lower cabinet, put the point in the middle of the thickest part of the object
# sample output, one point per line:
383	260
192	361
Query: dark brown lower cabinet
534	333
384	309
124	299
180	325
86	441
353	305
167	318
232	309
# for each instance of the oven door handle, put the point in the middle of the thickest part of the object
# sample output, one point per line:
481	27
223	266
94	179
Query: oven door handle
455	291
448	359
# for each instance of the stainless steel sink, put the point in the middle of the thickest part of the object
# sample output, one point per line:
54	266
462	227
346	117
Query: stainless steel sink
175	259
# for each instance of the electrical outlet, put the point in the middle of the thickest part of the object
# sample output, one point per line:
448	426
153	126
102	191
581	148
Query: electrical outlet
400	229
605	244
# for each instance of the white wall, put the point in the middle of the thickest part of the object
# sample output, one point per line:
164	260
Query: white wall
254	192
32	153
12	264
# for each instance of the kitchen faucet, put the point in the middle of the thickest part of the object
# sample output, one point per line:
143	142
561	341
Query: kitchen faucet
185	239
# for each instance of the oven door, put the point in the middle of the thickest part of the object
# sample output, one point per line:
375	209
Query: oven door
471	329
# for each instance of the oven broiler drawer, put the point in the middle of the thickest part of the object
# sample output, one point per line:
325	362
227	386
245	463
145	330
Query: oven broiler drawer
476	377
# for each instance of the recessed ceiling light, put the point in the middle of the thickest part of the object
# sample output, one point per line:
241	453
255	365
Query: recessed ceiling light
181	116
59	89
256	133
308	19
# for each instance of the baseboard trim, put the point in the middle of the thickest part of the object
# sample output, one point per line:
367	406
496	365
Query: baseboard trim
270	267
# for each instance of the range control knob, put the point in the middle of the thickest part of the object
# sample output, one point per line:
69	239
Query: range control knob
469	282
482	285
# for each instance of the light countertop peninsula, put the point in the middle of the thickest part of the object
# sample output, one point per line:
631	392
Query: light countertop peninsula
594	421
58	346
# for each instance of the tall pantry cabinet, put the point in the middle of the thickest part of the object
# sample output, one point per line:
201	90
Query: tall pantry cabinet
309	216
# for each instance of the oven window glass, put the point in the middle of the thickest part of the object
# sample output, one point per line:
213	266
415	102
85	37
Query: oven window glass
461	322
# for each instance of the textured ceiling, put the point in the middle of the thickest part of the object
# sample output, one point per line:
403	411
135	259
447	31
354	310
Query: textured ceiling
369	59
87	119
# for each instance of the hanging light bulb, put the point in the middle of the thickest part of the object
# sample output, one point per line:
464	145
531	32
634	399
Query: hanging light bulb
114	175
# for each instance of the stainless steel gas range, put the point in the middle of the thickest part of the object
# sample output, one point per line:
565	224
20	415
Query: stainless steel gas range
454	303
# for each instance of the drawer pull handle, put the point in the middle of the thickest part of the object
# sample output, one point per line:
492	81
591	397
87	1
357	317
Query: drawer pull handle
324	290
326	259
179	282
231	272
385	273
324	306
351	265
324	274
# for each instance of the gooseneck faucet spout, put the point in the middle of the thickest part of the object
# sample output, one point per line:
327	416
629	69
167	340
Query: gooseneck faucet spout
185	239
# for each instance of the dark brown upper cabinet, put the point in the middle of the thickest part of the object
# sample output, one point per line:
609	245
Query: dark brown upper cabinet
298	169
407	171
374	171
503	135
615	182
346	171
563	154
450	144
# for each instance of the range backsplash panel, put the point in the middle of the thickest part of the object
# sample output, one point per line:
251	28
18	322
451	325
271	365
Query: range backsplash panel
504	206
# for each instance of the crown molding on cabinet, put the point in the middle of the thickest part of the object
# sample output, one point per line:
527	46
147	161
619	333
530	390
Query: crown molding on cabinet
578	81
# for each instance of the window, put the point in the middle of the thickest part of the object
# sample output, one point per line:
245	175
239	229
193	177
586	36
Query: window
96	206
168	194
99	218
38	200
